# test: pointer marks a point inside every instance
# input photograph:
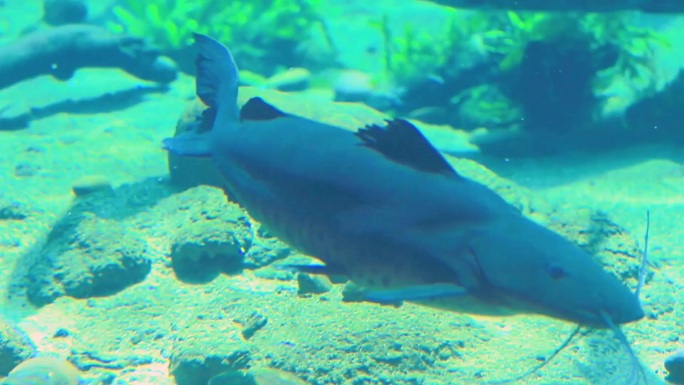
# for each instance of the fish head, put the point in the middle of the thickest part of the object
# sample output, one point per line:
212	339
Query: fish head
534	269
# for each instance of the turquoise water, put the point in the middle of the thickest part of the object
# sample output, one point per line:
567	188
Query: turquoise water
134	264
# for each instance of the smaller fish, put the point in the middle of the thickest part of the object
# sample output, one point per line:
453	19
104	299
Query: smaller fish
43	371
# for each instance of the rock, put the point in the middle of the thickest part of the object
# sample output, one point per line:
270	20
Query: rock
313	284
213	237
352	292
266	250
93	250
199	355
15	347
99	257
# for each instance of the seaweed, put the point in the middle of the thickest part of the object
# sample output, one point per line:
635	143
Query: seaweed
415	53
633	76
261	33
633	47
598	63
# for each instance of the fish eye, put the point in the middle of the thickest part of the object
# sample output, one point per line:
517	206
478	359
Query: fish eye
556	271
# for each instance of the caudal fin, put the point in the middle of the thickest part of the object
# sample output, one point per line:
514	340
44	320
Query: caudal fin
217	77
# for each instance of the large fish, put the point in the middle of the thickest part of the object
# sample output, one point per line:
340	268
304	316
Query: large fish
385	207
649	6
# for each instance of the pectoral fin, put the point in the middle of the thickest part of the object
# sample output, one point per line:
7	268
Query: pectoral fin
189	144
415	293
327	269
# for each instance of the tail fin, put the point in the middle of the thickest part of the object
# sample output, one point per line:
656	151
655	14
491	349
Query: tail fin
217	77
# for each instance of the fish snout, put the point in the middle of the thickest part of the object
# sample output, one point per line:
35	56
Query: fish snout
629	311
618	307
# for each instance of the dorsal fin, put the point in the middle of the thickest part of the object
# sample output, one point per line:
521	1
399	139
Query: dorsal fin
217	78
402	142
257	109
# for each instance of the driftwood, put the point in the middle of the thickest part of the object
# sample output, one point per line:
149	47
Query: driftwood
60	51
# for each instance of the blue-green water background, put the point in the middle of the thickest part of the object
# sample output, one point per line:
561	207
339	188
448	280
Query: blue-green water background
573	117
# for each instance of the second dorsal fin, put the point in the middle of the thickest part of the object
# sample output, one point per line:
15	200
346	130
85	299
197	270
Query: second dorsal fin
258	109
402	142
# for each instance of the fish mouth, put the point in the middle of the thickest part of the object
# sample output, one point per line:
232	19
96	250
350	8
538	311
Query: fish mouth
631	317
602	319
594	318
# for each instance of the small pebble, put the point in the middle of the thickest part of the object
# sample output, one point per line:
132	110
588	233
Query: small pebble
255	322
24	170
90	184
12	212
313	284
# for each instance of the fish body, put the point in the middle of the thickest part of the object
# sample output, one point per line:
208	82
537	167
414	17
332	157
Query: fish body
385	207
648	6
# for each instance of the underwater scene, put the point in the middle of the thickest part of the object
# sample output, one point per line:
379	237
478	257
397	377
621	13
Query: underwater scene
341	192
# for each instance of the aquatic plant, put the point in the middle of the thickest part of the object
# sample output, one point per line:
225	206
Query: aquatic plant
613	66
258	31
486	105
168	23
511	32
510	35
636	44
633	75
415	53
